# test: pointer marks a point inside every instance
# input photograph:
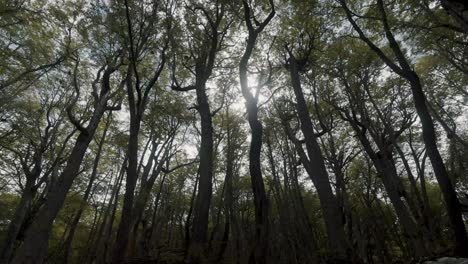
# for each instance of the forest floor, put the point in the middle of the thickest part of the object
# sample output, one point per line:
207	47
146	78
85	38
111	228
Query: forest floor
448	260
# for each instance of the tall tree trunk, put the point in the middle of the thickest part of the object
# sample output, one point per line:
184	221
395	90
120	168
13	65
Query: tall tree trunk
394	189
385	165
92	178
107	236
199	236
189	216
260	250
137	95
232	223
153	227
315	166
404	69
146	187
123	232
449	193
258	186
228	192
424	217
18	220
100	243
214	32
34	247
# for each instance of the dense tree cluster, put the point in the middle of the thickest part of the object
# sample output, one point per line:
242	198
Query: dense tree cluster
247	131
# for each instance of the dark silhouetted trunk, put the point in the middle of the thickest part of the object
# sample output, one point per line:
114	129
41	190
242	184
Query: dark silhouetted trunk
199	227
258	186
18	219
34	247
260	250
315	167
145	189
100	244
92	178
123	231
452	202
404	69
189	216
458	11
137	95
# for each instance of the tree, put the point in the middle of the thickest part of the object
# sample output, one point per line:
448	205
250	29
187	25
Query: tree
260	199
402	67
138	90
207	44
42	139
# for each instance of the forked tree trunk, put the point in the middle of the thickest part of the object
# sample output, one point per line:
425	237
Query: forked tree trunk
35	245
405	70
92	178
315	167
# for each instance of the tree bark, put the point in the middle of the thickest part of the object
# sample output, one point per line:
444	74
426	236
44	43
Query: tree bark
137	95
315	167
260	251
92	178
123	231
404	70
449	193
204	65
146	187
199	236
18	220
34	247
102	238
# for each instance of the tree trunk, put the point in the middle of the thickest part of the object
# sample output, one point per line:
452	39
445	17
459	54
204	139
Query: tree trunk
394	190
315	166
123	232
452	202
261	202
100	244
34	247
258	186
152	228
76	219
260	250
16	223
385	166
199	236
147	184
107	237
404	69
19	221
